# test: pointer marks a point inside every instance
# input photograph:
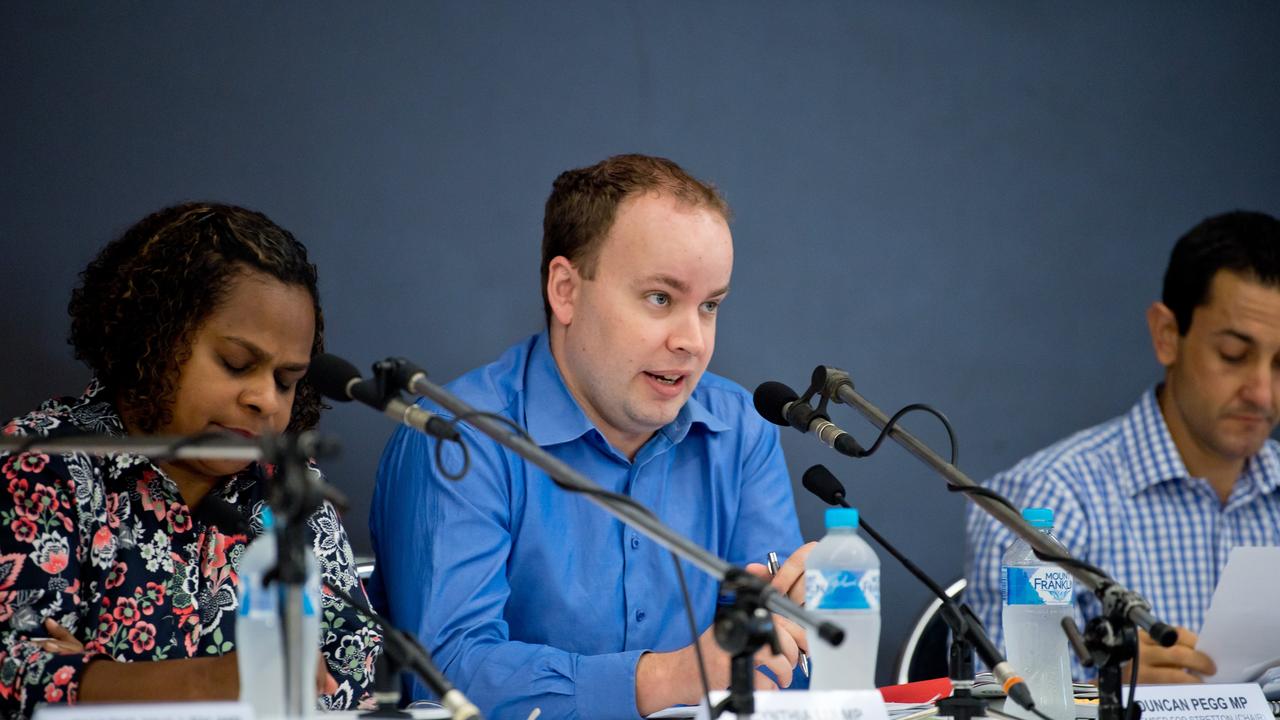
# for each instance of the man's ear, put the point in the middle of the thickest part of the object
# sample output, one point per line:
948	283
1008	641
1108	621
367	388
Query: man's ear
1164	333
563	284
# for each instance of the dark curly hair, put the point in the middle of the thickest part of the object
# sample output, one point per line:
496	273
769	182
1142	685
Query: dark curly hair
141	300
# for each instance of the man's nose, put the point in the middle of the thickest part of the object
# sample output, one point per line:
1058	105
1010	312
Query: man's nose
688	335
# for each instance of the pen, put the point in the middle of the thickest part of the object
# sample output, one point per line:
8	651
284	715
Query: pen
773	570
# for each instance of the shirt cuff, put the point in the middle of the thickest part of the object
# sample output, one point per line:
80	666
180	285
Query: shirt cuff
61	678
606	685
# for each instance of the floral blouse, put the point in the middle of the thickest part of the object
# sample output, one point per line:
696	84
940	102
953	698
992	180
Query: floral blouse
107	548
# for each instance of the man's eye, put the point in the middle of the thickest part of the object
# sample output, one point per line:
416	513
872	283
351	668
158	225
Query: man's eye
711	306
233	368
1232	359
659	299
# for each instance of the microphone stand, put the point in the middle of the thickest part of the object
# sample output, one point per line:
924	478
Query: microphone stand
961	704
740	632
1114	639
295	496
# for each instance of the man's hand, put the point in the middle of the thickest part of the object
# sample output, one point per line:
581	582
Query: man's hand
790	577
1181	663
666	679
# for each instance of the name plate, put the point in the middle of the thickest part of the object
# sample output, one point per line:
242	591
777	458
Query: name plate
146	711
1243	701
812	705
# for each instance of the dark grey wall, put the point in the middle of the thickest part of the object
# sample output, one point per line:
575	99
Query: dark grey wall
968	204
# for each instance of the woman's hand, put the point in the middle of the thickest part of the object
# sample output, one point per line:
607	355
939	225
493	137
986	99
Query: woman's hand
60	640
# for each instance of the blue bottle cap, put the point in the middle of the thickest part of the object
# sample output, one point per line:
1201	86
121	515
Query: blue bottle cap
1038	517
842	517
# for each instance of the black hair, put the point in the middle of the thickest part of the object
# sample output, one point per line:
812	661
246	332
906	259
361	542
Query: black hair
1242	242
141	300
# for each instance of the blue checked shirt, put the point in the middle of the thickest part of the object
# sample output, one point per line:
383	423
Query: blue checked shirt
1123	501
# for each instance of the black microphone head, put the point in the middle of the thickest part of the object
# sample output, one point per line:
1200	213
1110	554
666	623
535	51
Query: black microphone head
770	397
819	481
332	376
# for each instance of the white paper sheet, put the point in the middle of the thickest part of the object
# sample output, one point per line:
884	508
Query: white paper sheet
1241	631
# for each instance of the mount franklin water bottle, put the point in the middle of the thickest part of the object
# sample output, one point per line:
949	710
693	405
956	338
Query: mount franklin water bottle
1037	595
842	584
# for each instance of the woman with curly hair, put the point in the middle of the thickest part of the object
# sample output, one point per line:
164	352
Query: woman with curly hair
113	585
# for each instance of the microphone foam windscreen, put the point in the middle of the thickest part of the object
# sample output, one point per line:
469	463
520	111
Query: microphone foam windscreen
331	375
769	399
819	481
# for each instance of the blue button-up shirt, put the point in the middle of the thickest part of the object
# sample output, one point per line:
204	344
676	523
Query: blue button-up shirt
531	596
1124	501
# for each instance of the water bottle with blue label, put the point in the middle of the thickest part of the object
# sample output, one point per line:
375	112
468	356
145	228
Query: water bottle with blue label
309	638
1037	595
259	642
260	634
842	584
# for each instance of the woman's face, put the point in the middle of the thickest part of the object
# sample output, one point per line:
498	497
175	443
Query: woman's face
245	364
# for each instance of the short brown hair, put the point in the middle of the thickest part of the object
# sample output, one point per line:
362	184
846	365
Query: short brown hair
584	203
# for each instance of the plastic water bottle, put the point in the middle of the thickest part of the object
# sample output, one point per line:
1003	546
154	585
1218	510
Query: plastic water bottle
310	641
259	642
1037	595
260	631
842	584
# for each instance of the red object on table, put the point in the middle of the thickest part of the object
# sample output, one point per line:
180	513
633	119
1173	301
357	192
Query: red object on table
917	692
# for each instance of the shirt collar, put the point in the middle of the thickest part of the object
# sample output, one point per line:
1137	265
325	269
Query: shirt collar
1264	469
694	411
553	416
1154	458
1152	455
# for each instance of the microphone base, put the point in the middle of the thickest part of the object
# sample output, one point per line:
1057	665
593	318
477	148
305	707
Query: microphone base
1112	641
962	705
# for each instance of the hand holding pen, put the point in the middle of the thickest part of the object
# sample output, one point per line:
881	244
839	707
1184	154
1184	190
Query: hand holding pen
773	571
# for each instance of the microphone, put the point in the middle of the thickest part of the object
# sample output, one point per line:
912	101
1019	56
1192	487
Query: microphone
819	481
780	405
339	380
963	623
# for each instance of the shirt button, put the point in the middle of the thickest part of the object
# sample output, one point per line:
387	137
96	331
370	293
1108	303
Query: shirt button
635	542
640	615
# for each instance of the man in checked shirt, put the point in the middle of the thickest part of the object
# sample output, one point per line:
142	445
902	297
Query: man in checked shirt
1159	496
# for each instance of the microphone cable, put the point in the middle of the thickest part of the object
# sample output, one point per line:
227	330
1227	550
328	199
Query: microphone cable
954	444
1061	560
916	407
823	484
975	490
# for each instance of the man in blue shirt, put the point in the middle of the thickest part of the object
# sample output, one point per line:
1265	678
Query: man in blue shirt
1159	496
532	597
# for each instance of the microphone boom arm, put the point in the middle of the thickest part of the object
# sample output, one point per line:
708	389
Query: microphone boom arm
1116	599
416	380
